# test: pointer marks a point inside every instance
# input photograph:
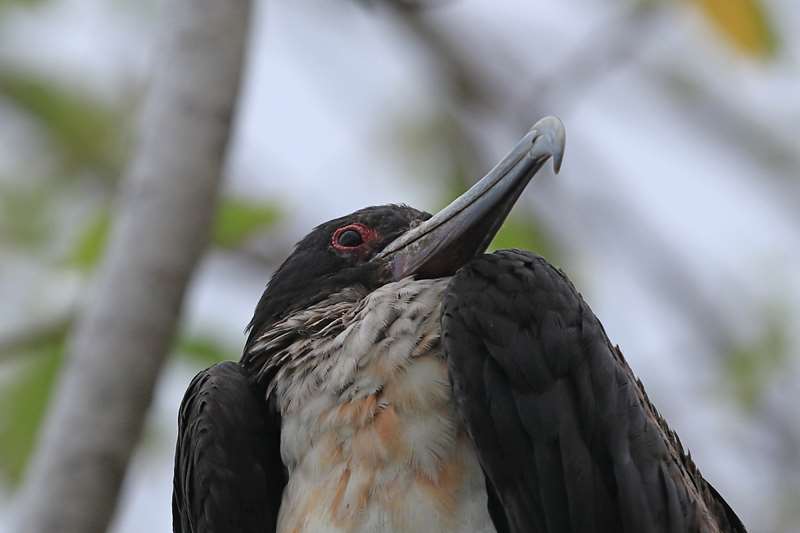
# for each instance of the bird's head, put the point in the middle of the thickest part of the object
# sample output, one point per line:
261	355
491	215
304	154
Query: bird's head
377	245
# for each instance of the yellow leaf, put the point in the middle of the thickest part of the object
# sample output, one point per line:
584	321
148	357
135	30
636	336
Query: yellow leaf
743	23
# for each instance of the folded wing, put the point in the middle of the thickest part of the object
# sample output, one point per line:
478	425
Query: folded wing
228	472
565	433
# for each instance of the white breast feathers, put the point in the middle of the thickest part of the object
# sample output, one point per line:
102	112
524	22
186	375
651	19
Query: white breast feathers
370	436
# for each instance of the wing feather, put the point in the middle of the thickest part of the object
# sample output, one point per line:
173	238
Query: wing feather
565	433
228	471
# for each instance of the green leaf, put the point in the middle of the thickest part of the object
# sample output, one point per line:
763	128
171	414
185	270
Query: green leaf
91	242
23	403
85	133
743	23
204	351
239	219
751	367
25	215
236	221
518	232
5	4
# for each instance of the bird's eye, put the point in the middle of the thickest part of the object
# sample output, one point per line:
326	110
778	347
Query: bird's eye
350	236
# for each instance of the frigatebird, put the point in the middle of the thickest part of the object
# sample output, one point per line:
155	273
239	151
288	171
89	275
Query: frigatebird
396	378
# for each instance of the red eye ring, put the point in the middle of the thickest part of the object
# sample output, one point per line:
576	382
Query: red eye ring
366	234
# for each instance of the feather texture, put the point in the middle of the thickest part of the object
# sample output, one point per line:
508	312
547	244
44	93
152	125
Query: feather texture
370	437
228	474
564	431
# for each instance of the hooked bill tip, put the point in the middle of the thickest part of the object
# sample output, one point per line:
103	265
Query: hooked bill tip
549	140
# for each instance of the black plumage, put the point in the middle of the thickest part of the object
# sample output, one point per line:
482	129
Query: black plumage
315	270
565	432
228	473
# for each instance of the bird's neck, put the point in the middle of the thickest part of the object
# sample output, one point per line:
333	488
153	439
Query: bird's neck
348	345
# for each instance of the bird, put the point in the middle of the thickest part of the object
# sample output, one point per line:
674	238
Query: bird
398	378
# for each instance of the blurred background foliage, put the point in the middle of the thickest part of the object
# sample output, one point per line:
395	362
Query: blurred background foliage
70	142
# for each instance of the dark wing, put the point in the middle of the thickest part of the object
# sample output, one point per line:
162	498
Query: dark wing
565	434
228	471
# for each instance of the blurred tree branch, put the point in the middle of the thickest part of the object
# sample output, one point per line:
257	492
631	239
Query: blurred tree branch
166	209
749	134
35	334
614	43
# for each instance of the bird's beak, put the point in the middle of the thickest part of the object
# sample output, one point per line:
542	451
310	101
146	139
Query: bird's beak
445	242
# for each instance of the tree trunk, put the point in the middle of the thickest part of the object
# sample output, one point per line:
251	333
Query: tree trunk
165	212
